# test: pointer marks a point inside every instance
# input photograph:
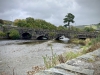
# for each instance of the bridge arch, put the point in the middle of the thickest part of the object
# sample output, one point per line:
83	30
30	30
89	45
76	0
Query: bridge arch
26	35
8	35
42	37
57	38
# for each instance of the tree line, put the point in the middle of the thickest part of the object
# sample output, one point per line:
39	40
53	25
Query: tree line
30	22
34	23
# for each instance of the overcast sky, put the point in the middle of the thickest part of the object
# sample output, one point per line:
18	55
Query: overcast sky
53	11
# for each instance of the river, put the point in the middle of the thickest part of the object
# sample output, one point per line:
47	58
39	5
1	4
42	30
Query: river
22	55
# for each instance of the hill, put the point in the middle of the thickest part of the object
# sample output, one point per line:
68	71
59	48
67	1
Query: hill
5	22
94	26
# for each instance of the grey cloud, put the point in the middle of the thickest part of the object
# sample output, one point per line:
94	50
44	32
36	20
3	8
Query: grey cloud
48	8
89	3
8	5
85	11
89	11
43	8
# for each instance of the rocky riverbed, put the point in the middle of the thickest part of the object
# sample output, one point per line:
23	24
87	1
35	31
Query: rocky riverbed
20	56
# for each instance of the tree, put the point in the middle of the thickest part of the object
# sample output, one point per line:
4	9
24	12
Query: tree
44	25
30	20
69	18
34	23
16	21
20	23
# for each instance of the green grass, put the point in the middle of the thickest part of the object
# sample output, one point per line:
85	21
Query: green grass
77	41
71	55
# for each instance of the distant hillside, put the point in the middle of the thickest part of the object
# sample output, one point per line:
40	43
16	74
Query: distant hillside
81	26
7	22
94	26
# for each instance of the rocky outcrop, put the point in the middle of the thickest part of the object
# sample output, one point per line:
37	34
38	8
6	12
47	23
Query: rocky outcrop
88	64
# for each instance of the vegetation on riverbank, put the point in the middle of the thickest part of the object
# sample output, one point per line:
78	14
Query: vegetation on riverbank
94	44
2	34
57	59
14	34
88	45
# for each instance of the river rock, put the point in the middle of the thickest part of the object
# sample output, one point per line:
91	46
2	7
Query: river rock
80	63
47	73
75	69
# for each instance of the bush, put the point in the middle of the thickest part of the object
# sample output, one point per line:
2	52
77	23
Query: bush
77	41
2	34
14	34
94	47
95	44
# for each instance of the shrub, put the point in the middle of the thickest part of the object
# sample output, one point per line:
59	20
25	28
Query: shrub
94	44
14	34
2	34
77	41
94	47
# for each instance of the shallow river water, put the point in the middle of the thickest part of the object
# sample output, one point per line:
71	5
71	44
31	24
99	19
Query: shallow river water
22	55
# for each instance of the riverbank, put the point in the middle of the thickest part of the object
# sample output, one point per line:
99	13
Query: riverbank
21	56
88	64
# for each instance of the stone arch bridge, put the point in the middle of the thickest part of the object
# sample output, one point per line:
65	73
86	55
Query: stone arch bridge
29	33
